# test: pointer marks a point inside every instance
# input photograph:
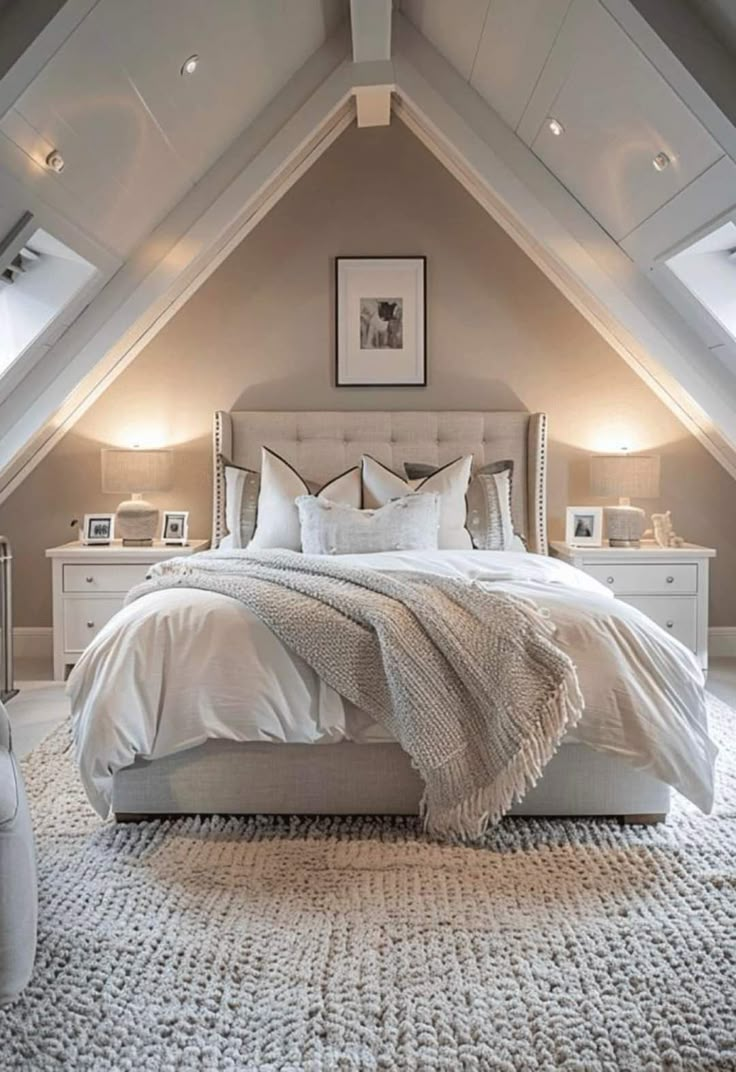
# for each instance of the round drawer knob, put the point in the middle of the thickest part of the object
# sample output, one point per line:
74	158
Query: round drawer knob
90	625
89	580
609	580
670	580
670	625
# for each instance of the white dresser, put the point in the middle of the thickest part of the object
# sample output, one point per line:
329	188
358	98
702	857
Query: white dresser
89	586
669	584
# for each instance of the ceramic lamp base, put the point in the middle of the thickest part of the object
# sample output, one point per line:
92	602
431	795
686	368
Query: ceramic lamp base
624	525
136	522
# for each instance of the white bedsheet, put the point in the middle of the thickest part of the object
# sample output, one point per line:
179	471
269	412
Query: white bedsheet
180	666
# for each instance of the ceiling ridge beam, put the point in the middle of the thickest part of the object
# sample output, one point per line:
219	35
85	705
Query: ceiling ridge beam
373	73
370	29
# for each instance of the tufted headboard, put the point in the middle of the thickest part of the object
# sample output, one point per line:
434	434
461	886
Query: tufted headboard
321	444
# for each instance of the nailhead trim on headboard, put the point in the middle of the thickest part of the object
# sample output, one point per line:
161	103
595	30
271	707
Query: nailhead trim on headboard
436	434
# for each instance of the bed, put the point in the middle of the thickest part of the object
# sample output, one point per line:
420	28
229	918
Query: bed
141	753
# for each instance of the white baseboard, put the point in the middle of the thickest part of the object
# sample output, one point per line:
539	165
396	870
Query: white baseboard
722	641
33	642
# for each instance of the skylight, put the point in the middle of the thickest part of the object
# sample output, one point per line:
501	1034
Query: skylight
38	282
708	269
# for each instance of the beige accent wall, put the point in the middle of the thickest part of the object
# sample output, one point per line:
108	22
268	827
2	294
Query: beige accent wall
260	334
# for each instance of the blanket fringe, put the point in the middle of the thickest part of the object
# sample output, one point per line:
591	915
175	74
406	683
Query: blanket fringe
486	805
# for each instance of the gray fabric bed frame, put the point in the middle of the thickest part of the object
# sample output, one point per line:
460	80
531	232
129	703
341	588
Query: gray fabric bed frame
227	777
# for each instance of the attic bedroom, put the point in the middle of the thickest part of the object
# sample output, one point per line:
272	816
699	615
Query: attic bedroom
367	603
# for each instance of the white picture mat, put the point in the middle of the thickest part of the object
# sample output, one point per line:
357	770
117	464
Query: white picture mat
388	278
181	516
593	512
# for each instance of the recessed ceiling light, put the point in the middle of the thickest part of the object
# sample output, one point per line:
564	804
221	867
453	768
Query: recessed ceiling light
661	161
556	127
190	66
55	161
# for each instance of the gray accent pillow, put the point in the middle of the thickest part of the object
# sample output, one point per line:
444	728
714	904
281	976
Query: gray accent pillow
489	511
488	498
410	523
421	470
241	505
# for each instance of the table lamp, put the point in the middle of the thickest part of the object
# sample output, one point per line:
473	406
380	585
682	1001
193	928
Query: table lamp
627	476
136	519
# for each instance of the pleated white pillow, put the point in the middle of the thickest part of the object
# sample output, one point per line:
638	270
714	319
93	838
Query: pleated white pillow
277	520
381	484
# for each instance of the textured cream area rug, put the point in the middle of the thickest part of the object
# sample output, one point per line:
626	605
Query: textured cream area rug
356	944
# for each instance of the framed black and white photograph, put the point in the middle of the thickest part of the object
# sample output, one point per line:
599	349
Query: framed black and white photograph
584	526
380	329
175	527
98	528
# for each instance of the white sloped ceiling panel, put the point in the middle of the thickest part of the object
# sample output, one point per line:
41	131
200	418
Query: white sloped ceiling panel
134	133
517	38
618	113
454	28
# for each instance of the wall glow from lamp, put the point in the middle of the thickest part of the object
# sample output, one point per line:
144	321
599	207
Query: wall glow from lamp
614	439
141	436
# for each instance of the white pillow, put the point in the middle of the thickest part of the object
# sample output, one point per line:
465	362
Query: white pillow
407	524
381	484
277	522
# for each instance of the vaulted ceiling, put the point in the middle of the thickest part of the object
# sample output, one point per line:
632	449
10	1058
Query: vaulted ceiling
164	173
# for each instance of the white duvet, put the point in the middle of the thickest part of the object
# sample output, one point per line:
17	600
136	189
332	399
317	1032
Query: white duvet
180	666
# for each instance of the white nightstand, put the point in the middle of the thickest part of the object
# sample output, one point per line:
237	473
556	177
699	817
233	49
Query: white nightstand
89	586
669	584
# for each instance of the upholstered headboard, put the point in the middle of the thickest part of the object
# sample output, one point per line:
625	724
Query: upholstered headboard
322	444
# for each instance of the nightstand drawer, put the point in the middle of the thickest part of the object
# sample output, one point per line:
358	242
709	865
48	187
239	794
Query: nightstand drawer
104	578
83	619
677	615
633	578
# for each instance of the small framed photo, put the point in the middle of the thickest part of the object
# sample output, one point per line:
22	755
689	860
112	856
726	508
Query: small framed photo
380	322
98	528
175	526
584	527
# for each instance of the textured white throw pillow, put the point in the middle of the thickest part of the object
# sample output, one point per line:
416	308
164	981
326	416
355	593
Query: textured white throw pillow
381	484
407	524
277	523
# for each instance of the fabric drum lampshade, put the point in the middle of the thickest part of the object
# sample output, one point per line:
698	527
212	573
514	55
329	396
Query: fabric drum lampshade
626	476
132	472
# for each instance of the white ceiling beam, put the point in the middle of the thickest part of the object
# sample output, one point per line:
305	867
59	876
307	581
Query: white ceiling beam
370	24
373	75
564	240
373	105
373	83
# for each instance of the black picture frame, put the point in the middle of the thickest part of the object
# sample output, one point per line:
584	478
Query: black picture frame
340	381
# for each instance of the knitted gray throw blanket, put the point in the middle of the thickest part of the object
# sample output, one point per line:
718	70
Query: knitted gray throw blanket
466	679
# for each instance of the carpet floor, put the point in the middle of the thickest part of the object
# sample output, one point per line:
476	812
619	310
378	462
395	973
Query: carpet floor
355	944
